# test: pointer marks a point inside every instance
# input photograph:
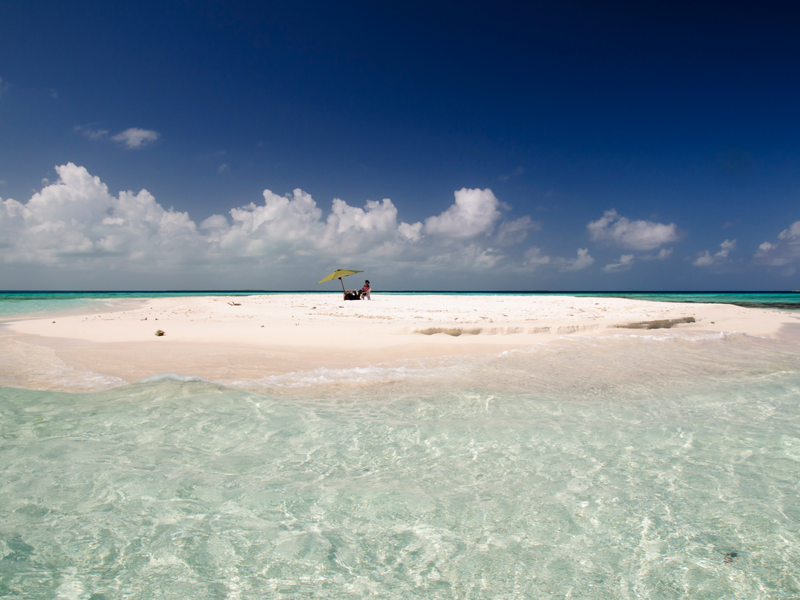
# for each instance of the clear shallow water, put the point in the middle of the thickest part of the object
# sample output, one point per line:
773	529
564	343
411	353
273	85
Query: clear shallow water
38	304
13	307
625	467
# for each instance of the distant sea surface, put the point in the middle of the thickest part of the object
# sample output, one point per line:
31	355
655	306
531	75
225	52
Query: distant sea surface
656	465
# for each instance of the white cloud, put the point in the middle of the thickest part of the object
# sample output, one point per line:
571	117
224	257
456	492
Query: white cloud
410	232
636	235
90	133
130	138
4	86
705	259
792	233
76	220
136	138
513	232
282	224
783	252
355	230
535	258
474	213
625	263
663	254
75	223
223	168
727	246
488	259
469	256
582	261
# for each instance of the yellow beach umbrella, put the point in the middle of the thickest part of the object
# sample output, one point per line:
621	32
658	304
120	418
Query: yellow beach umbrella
338	274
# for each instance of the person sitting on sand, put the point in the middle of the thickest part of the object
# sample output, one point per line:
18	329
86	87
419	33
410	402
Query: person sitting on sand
366	290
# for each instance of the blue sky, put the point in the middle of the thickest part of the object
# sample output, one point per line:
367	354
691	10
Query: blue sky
553	145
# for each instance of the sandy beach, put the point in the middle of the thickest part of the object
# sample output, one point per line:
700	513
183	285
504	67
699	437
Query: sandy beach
228	339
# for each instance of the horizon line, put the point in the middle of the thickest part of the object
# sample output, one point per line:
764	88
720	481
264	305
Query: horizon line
257	291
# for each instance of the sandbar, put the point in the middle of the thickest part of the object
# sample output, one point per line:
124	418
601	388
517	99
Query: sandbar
236	338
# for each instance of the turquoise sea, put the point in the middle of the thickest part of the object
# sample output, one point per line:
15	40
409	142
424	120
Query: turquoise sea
654	466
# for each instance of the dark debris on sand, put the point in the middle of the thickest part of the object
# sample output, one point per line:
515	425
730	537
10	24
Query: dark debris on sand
660	324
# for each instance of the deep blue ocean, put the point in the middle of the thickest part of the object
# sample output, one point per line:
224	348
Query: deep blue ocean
657	466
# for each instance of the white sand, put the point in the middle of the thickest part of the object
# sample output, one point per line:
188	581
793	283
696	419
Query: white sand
266	335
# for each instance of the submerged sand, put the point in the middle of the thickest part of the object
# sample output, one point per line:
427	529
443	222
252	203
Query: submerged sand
239	338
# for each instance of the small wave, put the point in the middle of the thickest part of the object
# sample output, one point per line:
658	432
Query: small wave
39	368
369	376
657	337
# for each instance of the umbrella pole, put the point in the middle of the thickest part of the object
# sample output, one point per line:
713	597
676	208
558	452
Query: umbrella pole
343	292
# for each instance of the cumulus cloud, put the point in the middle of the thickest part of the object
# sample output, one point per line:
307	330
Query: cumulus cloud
726	247
663	254
582	261
76	223
783	252
136	138
75	220
625	263
637	235
535	258
706	259
410	232
792	232
473	213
